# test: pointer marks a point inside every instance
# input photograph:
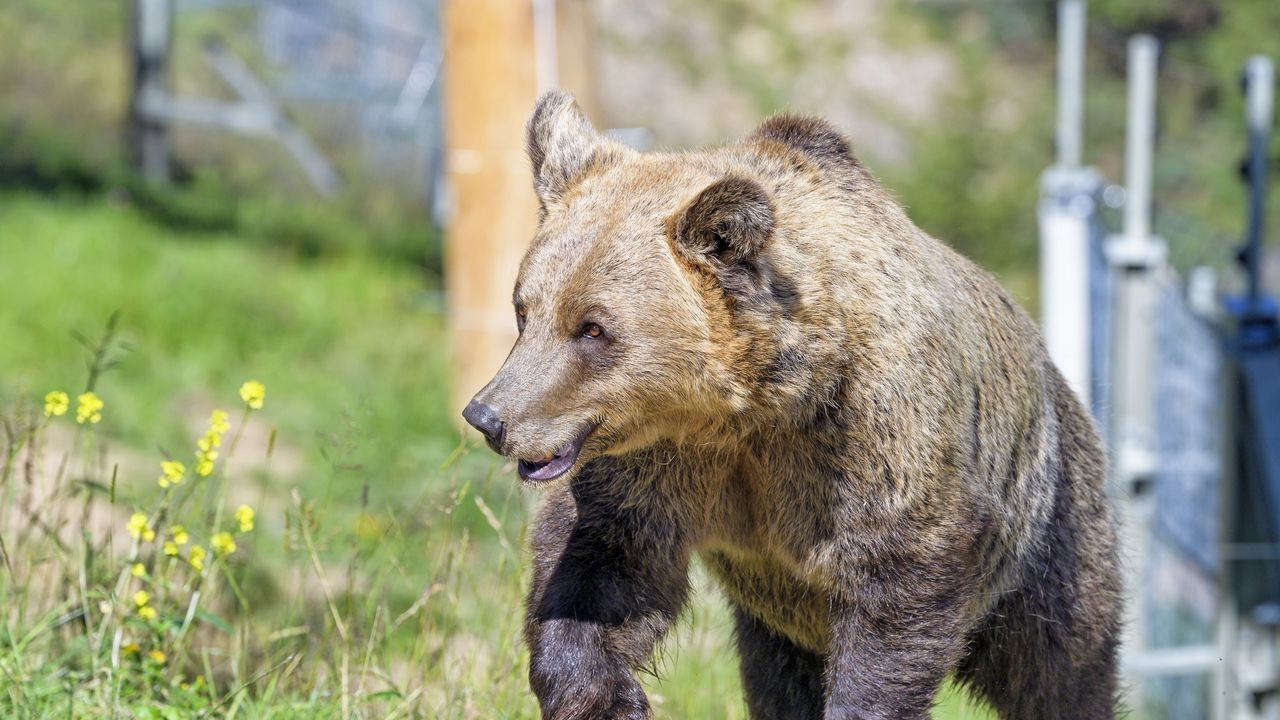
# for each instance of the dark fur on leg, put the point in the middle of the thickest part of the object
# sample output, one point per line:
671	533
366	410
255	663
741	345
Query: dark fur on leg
895	640
606	588
782	680
1028	658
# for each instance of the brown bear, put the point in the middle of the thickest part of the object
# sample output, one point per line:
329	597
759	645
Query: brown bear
751	355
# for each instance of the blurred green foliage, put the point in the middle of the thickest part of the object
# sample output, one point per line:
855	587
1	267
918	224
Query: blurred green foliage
971	182
1198	195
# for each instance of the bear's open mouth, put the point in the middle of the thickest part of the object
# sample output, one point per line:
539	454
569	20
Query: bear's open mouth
559	462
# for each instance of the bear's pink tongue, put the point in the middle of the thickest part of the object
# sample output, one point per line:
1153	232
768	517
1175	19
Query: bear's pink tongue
558	465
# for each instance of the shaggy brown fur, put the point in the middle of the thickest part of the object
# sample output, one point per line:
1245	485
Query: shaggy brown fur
853	426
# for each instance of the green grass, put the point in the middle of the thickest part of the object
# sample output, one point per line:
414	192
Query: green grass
368	514
346	337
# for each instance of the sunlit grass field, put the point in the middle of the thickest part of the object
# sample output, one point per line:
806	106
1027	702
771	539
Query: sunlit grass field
382	575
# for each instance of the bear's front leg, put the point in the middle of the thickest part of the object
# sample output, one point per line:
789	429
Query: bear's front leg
893	641
607	584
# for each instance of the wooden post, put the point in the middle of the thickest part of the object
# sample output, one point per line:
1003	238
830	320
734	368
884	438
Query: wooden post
490	87
150	40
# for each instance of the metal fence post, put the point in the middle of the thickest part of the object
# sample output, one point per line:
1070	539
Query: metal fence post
1136	256
1067	212
150	40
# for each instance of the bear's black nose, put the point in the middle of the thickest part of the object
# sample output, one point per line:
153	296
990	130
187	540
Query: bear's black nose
483	418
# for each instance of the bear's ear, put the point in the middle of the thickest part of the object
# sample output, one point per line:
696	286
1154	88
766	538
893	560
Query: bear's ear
812	136
562	144
726	225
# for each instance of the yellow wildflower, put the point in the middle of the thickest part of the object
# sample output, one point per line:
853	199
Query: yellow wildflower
208	444
137	524
88	408
180	536
148	535
145	611
223	543
253	393
244	515
56	403
196	557
138	570
206	453
131	648
171	472
157	656
170	549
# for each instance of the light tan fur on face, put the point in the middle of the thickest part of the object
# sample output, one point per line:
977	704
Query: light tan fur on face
595	253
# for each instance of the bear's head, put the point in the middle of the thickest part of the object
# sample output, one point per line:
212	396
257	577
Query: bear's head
643	303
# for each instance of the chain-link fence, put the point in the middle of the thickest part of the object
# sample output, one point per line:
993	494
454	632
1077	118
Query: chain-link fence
1180	592
346	84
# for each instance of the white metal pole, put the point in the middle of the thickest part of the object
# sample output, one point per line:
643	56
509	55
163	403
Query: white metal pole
1260	103
1136	257
1071	24
1064	288
1140	136
1260	81
1067	207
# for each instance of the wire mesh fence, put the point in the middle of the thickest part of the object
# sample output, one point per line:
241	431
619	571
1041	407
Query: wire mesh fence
1180	592
362	75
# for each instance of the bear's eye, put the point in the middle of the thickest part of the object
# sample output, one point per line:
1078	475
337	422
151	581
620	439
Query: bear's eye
520	319
591	330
